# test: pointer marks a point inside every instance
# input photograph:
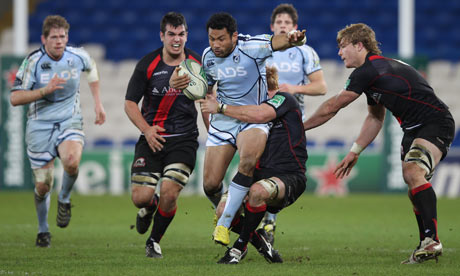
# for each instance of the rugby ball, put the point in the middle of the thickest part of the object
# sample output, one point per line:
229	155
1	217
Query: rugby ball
198	86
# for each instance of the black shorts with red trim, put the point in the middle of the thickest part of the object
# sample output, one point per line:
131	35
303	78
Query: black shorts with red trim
440	132
177	149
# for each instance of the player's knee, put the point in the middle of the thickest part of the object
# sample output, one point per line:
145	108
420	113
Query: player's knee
264	190
178	173
422	158
44	179
141	195
71	163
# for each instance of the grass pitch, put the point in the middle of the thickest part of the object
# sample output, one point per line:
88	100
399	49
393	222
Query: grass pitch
355	235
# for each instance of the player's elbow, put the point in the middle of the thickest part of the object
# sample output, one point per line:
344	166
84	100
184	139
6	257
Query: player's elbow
14	100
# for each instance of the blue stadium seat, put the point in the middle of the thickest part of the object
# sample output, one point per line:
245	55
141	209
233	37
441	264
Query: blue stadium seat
103	142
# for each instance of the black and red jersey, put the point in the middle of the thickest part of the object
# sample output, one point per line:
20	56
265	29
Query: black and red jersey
162	105
400	88
285	151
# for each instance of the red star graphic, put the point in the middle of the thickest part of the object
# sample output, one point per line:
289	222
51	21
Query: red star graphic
328	184
10	76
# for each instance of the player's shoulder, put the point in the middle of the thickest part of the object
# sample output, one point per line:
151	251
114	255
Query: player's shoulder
208	55
190	54
78	51
150	57
245	40
282	98
36	54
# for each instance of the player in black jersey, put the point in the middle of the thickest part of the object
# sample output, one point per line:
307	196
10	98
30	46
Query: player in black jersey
166	149
425	120
280	174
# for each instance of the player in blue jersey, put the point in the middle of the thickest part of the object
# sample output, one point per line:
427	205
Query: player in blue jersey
49	80
235	64
280	175
299	72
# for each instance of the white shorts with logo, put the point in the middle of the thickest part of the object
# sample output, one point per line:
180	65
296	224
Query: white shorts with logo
43	138
223	130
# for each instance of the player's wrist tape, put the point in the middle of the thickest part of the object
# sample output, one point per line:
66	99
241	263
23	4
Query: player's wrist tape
42	92
297	43
221	108
356	148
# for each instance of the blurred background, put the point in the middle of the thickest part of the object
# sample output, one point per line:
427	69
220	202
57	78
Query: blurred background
117	33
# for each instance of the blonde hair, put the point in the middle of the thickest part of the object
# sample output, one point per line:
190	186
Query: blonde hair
54	21
272	78
360	32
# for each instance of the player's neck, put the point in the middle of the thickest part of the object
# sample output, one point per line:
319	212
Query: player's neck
172	60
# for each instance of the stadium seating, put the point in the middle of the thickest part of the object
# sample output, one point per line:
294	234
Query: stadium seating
117	33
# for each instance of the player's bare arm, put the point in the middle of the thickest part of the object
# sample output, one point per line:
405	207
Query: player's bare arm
248	113
151	133
98	107
287	40
371	127
21	97
316	87
329	108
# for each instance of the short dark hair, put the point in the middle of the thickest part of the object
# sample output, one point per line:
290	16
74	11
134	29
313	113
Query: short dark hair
54	21
221	20
174	19
285	8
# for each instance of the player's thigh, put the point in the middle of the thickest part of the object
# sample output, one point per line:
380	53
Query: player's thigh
216	162
251	143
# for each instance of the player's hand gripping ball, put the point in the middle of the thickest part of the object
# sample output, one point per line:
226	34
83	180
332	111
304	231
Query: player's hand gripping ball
198	86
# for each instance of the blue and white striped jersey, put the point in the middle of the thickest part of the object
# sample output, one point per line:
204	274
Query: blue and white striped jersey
241	76
294	65
38	69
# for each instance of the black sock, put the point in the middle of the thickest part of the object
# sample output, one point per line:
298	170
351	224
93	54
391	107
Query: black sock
161	221
418	217
237	224
425	202
253	217
153	204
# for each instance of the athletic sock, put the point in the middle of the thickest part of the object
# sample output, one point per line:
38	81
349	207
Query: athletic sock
42	206
425	202
418	217
67	184
153	204
236	192
270	216
161	221
215	195
253	216
237	224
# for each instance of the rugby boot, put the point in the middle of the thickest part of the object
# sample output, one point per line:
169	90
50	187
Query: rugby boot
233	256
221	235
63	214
43	239
153	249
429	249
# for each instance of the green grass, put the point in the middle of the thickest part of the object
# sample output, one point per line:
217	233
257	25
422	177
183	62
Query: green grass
355	235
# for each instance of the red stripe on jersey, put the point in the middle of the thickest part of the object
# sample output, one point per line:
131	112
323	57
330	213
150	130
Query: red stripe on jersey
375	57
191	57
152	66
164	108
420	188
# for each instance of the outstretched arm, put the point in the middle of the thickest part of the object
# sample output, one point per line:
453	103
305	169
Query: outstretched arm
371	127
329	108
248	113
288	40
316	87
